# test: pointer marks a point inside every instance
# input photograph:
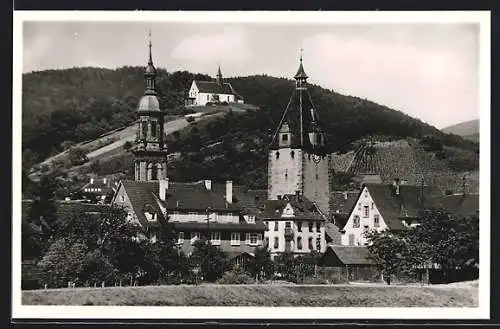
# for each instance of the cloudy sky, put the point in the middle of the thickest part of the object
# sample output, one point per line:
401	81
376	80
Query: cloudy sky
429	71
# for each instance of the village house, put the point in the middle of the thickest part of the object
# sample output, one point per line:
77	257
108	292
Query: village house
203	92
98	190
382	207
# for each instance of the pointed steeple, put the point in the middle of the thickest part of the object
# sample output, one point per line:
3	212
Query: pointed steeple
219	77
150	72
301	74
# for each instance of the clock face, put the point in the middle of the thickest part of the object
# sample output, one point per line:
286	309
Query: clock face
316	158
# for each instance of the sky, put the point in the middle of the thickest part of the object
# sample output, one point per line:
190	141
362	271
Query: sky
428	71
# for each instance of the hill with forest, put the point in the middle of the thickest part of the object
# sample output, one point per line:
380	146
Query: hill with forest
467	129
64	107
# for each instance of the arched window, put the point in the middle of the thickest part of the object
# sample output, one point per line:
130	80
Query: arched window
159	169
154	172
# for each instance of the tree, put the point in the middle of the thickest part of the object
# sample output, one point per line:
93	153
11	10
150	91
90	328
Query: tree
95	166
212	261
388	251
44	210
261	265
77	156
63	262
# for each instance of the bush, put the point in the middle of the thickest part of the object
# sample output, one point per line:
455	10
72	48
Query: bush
224	103
190	119
236	276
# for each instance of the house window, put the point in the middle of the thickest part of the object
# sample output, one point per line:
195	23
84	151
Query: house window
276	243
318	243
275	226
366	213
310	242
215	238
254	239
299	226
251	219
195	236
122	198
180	238
376	221
292	154
310	224
207	98
284	137
288	224
299	243
373	205
235	239
351	239
277	155
318	227
355	222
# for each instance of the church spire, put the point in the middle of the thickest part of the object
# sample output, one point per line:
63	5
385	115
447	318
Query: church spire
219	77
301	75
150	72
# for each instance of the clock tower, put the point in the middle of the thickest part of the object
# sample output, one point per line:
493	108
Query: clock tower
298	160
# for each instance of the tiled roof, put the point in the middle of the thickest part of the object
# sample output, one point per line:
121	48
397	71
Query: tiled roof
333	232
408	203
143	195
214	88
342	202
351	255
461	205
195	196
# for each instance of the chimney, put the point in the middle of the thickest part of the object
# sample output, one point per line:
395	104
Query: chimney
208	184
396	185
91	181
229	191
163	188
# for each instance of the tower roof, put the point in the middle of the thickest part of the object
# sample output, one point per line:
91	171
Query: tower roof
301	74
150	68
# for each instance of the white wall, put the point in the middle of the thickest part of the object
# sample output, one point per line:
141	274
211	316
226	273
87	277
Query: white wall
365	199
201	99
278	184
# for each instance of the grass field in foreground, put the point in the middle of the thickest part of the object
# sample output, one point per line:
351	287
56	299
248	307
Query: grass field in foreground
260	295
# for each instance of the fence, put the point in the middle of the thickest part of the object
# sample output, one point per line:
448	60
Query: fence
349	273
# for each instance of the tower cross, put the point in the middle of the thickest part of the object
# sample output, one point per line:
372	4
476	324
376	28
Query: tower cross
301	51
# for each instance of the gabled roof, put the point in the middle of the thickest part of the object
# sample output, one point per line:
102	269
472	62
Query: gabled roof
211	87
408	203
142	195
351	255
461	204
333	232
342	202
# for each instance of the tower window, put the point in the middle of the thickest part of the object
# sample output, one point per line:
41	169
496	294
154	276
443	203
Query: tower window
144	129
292	154
153	129
277	154
284	137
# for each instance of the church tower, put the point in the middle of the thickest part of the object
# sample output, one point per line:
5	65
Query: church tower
298	161
150	153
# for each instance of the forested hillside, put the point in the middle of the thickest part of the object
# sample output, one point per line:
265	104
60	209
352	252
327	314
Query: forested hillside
62	107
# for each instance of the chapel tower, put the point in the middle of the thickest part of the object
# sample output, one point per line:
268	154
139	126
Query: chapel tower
150	153
298	161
